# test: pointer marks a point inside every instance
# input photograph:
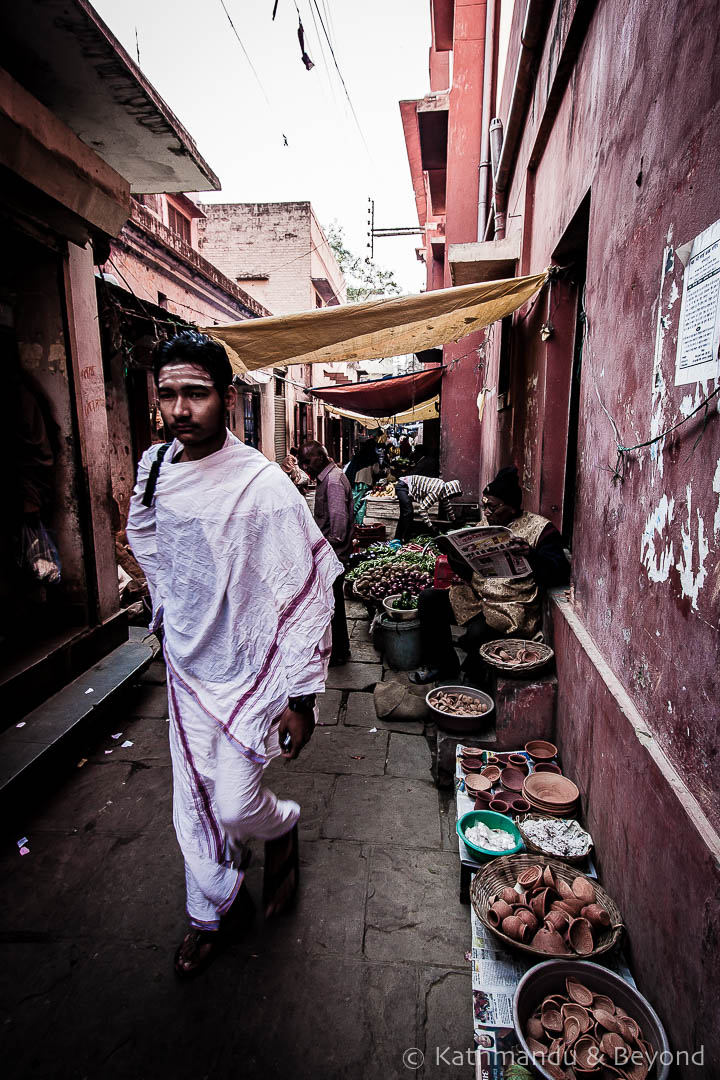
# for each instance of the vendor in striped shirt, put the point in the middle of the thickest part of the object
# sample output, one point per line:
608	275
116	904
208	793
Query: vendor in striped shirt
426	491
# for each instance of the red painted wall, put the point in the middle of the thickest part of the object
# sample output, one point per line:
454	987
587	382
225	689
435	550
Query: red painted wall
459	417
637	130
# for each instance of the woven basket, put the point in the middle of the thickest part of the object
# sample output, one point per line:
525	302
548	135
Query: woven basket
573	860
514	646
504	871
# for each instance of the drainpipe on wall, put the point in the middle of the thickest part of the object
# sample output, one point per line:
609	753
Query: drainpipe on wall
495	135
532	35
489	80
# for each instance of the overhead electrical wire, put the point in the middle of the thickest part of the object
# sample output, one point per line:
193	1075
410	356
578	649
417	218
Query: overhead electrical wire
340	76
252	66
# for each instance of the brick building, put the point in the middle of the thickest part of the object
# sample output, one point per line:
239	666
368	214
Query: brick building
279	254
561	138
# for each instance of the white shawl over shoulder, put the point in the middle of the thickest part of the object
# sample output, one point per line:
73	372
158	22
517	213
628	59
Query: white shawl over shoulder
241	578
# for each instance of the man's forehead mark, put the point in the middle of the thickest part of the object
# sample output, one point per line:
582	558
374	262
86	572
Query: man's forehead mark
174	374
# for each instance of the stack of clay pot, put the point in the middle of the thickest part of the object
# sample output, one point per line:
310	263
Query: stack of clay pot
548	915
588	1034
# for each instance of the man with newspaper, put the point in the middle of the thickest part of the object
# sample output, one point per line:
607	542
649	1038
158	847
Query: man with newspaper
505	605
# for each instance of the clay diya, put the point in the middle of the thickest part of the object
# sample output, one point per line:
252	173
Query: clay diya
579	993
515	928
530	877
498	911
586	1054
527	916
534	1029
581	1015
557	920
580	937
549	941
551	1018
598	917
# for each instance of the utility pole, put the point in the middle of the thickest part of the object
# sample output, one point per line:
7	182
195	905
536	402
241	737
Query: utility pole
399	230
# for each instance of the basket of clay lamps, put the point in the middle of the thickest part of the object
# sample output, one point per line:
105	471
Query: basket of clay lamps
574	911
516	656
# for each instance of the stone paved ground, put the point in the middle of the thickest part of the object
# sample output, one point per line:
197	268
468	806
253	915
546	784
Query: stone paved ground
369	964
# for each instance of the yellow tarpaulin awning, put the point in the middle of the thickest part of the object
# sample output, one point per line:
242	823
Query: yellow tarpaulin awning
392	326
429	410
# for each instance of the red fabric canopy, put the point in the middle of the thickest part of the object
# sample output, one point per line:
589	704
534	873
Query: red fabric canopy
383	397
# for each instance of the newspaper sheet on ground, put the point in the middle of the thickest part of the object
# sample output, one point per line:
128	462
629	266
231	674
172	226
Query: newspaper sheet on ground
485	549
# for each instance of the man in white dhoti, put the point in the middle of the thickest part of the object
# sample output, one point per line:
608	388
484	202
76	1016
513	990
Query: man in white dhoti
242	585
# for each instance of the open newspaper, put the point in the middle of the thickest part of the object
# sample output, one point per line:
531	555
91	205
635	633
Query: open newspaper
485	549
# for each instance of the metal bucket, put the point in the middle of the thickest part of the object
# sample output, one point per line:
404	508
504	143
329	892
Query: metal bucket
400	643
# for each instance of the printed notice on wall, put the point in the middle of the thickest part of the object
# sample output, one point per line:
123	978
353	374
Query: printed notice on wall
699	330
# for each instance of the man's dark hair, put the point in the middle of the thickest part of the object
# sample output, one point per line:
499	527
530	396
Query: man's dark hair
313	445
195	348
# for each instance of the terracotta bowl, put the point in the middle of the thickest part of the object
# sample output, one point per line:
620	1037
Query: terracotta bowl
471	765
520	805
540	750
513	779
483	799
499	806
492	772
548	766
475	783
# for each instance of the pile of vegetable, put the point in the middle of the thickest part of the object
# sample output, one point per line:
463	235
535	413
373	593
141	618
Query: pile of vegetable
397	572
405	602
383	490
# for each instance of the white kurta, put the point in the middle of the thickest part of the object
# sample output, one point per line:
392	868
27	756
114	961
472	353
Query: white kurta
241	579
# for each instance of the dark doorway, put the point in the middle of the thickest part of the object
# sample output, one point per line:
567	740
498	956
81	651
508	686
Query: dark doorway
571	254
251	419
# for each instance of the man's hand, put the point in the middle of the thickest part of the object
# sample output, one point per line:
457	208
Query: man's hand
518	546
299	726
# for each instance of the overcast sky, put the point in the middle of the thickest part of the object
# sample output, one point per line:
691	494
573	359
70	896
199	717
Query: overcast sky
189	53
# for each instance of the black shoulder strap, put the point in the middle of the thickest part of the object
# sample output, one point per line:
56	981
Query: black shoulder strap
152	479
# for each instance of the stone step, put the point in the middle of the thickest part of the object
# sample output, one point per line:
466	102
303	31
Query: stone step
55	725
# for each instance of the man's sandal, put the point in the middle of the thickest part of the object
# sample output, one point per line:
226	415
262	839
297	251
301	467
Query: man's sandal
282	873
197	951
199	948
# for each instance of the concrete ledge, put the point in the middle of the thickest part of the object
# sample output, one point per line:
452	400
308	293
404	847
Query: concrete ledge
65	715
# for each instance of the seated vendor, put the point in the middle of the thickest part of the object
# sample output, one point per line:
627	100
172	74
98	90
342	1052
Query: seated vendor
491	608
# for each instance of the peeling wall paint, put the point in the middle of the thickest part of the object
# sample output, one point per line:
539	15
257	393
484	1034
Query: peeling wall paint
692	582
658	560
716	489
